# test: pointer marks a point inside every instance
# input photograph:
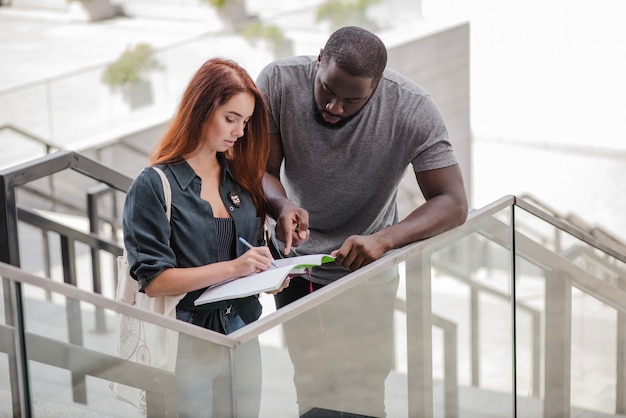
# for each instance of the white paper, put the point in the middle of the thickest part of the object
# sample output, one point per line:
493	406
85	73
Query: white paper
266	281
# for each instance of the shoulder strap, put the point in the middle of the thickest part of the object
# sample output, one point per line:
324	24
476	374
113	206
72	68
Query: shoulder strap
167	191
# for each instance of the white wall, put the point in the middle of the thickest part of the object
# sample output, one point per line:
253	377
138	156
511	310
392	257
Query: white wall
548	102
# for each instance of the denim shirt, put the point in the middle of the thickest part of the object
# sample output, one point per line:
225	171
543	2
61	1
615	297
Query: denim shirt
190	240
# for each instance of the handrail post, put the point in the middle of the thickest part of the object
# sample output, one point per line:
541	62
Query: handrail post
558	342
450	366
74	316
13	309
419	336
536	353
94	226
474	309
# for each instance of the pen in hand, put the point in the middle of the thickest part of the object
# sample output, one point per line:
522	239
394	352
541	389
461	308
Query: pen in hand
247	244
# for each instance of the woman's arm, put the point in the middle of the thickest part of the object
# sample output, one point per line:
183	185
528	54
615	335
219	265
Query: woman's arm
176	281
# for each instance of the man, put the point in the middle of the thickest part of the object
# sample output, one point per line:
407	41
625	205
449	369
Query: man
345	128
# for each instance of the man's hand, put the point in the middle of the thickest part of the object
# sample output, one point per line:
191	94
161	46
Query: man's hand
360	250
292	226
282	287
292	221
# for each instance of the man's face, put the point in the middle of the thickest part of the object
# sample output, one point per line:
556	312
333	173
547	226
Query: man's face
338	95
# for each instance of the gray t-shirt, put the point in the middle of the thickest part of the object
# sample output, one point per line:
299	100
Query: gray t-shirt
347	178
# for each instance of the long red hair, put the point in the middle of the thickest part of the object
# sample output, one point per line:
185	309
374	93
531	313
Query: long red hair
216	82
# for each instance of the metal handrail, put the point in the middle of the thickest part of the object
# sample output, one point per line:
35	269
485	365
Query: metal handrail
483	221
159	384
12	273
364	274
289	311
595	231
10	179
576	231
31	136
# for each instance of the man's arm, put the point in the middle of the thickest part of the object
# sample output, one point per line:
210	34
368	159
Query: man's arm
289	217
445	208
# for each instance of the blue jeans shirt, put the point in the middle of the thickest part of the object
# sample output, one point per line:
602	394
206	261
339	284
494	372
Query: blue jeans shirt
155	244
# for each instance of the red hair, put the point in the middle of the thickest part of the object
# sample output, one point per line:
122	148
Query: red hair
214	84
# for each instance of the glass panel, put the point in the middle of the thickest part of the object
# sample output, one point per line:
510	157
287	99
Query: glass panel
26	109
29	148
472	346
575	293
338	356
451	305
594	344
72	366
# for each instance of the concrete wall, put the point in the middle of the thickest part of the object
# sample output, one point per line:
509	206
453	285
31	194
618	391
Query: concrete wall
437	57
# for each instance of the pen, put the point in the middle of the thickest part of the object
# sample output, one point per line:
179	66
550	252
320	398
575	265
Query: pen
247	244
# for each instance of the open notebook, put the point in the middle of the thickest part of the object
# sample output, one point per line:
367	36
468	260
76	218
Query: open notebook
266	281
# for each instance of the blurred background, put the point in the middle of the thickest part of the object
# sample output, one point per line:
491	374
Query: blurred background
546	83
533	94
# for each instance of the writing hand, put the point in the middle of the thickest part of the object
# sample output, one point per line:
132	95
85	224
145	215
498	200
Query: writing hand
255	260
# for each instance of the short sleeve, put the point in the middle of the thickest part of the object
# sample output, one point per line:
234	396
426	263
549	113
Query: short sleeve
431	147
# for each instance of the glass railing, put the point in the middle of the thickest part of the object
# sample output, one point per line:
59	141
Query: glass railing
578	289
512	314
72	366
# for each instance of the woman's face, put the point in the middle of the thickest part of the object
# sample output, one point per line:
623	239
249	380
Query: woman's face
228	122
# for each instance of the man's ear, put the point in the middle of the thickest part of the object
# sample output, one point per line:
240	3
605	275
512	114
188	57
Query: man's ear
375	85
319	57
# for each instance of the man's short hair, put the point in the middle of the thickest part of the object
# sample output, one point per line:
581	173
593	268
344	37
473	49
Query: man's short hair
356	51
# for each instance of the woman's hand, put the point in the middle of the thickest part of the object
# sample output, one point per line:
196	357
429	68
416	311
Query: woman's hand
255	260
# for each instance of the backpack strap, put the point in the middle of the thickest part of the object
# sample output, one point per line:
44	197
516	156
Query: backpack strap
167	191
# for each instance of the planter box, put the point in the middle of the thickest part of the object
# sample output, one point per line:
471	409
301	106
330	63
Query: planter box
91	10
138	94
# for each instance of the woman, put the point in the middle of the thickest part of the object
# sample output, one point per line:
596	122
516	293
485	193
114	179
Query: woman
213	154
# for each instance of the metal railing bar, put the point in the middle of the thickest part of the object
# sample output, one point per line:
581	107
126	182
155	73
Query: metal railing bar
551	261
535	322
462	276
450	351
596	231
450	345
61	160
73	314
31	136
570	229
54	201
83	362
590	257
93	195
90	239
12	273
